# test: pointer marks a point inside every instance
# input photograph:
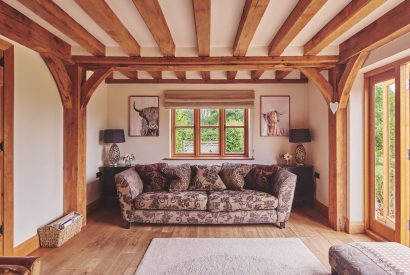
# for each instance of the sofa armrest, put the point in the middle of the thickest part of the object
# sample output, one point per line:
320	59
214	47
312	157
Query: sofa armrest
129	186
284	184
31	263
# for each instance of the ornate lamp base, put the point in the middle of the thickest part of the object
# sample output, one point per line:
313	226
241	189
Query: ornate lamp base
300	155
114	155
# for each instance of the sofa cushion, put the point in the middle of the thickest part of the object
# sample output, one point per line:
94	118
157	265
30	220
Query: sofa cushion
247	200
152	176
179	177
259	178
188	200
206	178
233	175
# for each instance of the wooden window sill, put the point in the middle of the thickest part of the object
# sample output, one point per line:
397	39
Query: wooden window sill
209	158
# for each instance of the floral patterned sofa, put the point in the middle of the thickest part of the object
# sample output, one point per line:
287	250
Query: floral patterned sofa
214	203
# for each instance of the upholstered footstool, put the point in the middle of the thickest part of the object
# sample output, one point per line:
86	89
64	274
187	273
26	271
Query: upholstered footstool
370	258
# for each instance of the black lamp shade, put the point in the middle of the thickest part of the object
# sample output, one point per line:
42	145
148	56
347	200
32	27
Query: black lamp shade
299	135
114	136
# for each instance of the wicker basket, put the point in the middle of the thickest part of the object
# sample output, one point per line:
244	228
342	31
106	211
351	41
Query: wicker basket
52	236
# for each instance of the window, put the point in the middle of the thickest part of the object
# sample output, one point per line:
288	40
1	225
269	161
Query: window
209	133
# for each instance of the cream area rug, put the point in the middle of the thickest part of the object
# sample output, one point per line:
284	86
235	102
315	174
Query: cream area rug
183	256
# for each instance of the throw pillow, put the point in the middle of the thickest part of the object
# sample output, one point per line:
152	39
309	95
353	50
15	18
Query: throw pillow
233	175
259	178
206	178
152	176
179	177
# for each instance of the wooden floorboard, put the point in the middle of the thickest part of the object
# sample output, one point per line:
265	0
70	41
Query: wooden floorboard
105	247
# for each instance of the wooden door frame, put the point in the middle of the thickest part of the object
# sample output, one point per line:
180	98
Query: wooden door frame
8	167
402	187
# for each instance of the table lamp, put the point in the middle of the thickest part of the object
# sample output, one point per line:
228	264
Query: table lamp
114	136
299	136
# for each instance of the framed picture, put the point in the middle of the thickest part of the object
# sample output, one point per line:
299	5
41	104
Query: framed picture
144	116
275	116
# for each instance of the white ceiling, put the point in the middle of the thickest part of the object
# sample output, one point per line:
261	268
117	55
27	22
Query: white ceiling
225	17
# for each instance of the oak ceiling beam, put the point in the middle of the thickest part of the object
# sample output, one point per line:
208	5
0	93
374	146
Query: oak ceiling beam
349	75
255	75
180	75
281	74
101	13
251	17
151	12
18	27
320	81
59	19
202	81
353	13
202	15
230	75
296	21
91	84
61	77
130	74
156	74
390	26
206	75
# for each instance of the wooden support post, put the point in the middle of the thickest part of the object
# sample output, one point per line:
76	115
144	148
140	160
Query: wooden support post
75	148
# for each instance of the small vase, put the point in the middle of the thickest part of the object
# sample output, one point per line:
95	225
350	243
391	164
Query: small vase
287	162
128	163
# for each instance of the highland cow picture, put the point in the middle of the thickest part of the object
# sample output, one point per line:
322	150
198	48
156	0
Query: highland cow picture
144	116
275	116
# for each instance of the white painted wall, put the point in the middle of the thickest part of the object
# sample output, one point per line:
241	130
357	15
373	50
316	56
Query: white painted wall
38	145
154	149
319	147
97	119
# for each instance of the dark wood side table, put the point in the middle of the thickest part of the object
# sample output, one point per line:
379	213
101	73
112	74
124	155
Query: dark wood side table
305	185
107	179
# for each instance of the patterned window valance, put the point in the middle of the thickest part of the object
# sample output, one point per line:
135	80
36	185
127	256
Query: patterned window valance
209	99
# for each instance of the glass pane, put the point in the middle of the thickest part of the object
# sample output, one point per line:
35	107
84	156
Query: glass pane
184	117
184	140
209	117
384	152
235	140
210	140
235	117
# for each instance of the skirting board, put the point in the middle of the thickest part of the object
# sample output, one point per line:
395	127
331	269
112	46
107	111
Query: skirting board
94	206
322	209
27	247
354	227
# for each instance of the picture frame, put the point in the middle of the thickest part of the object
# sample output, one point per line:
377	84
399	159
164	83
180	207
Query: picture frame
274	115
143	116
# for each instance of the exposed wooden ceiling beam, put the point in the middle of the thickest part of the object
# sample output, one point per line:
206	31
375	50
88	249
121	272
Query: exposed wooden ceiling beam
202	81
281	74
206	75
130	74
354	12
151	12
256	74
296	21
320	81
180	75
18	27
390	26
156	74
251	16
230	75
101	13
202	14
349	75
59	19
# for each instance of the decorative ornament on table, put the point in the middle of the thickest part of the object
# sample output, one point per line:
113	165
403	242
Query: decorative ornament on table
128	158
287	157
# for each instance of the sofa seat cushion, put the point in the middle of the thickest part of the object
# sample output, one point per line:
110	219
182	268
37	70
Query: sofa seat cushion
246	200
184	200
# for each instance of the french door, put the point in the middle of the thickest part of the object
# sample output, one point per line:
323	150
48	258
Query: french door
387	153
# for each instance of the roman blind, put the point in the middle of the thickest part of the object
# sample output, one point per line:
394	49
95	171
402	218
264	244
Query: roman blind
209	99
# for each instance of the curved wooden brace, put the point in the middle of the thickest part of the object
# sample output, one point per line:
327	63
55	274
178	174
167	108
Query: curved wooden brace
61	77
88	88
320	81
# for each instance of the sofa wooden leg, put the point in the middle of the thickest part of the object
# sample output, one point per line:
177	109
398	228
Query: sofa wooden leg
127	224
282	225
